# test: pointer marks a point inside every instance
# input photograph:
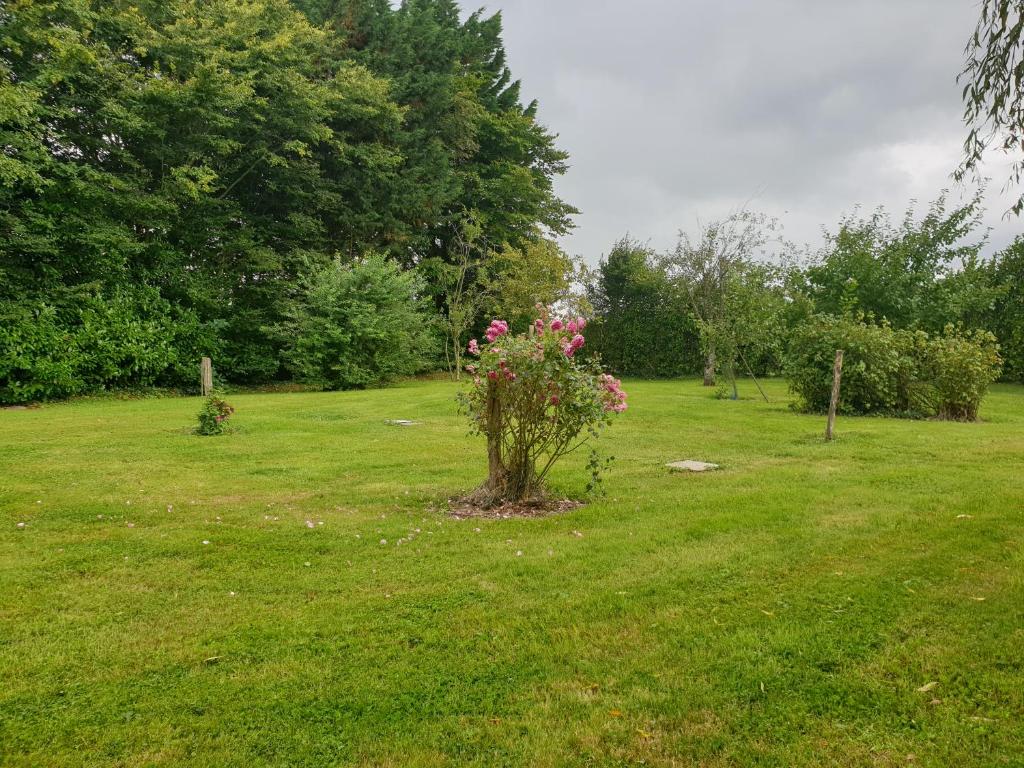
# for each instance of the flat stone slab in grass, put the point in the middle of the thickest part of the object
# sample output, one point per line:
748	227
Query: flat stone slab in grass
401	422
691	466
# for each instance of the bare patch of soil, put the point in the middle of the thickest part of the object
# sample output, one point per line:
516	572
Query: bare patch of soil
466	508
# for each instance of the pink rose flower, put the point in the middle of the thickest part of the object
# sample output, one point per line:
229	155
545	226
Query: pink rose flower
474	348
556	325
495	329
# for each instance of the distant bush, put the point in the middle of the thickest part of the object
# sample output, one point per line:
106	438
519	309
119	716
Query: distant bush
213	418
131	338
879	363
889	371
39	356
136	338
358	325
644	326
960	368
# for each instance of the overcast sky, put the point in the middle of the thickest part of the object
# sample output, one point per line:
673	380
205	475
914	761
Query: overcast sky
679	110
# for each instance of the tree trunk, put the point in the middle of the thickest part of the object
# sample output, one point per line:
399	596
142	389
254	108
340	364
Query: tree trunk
496	472
709	367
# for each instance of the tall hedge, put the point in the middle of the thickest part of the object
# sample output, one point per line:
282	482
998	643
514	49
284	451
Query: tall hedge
644	326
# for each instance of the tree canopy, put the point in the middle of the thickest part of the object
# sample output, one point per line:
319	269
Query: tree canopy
216	152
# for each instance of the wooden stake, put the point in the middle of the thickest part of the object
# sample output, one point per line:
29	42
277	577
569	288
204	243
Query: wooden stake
206	376
837	373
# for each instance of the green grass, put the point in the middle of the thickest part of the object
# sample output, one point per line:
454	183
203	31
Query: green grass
783	611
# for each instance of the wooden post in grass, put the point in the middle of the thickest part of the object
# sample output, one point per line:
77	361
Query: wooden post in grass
206	376
837	373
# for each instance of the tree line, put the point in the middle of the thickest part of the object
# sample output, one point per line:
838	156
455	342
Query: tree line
728	301
177	173
342	192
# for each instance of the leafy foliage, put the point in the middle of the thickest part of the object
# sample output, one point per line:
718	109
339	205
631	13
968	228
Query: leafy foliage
215	151
714	272
38	357
879	364
132	338
1005	313
890	371
467	141
961	366
643	327
537	273
896	272
993	98
213	418
357	325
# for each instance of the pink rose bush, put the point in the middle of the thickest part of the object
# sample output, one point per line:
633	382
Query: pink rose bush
214	416
535	400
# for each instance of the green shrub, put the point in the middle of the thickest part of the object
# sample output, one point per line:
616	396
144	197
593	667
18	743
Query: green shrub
213	418
39	356
357	325
132	338
887	371
125	340
960	368
879	364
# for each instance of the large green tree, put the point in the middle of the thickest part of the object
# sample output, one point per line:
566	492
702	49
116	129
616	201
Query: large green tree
897	272
468	142
217	152
201	147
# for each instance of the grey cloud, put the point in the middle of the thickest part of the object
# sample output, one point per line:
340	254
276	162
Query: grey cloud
677	110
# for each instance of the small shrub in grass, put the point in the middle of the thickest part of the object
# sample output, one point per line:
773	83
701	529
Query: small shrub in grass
535	400
961	366
213	418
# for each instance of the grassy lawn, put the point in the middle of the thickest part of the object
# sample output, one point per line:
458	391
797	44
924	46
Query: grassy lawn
847	604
